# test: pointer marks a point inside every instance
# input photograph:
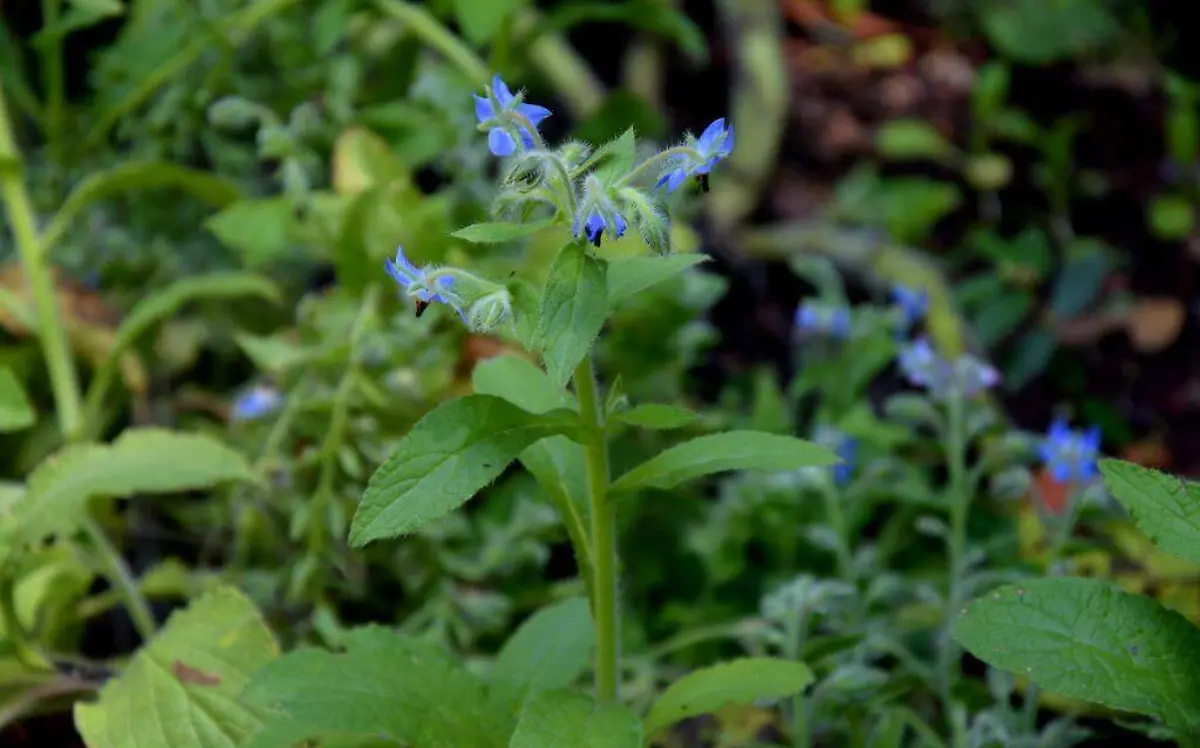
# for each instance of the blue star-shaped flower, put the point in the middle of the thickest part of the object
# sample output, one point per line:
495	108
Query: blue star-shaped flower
1070	455
713	145
500	141
597	222
415	281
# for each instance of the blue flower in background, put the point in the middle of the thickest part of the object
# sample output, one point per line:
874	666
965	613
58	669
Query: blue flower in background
816	318
846	447
1070	455
923	367
500	141
415	281
914	303
974	375
255	403
597	222
714	145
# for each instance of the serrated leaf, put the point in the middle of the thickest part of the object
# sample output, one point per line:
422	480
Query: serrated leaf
149	460
382	684
563	719
718	453
1084	639
742	681
500	231
182	689
628	276
1165	507
16	412
449	455
573	308
549	650
656	416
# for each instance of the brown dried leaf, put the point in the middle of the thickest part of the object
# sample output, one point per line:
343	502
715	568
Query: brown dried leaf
1155	323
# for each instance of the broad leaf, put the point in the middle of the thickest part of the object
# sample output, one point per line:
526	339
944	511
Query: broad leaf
742	681
16	412
383	684
480	20
628	276
500	231
656	416
1086	640
550	650
519	381
570	720
449	455
149	460
573	309
717	453
259	229
182	689
1166	508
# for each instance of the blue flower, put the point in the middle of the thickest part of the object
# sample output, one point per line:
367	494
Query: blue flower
713	145
1070	455
415	281
914	303
846	447
255	403
815	318
500	140
596	223
974	375
923	367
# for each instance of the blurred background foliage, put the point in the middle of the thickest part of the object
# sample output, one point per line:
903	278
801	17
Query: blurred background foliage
1032	164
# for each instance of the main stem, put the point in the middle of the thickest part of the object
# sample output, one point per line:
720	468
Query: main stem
604	538
959	500
64	380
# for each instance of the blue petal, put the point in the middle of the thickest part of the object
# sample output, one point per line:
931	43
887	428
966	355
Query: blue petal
526	138
727	144
675	179
500	143
483	109
619	225
1092	438
534	113
1061	472
711	135
595	224
500	89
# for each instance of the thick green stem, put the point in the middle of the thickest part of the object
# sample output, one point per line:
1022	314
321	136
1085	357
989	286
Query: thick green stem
604	538
959	500
64	380
122	580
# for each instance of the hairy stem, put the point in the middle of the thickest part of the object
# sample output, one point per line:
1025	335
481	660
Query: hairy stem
604	538
121	578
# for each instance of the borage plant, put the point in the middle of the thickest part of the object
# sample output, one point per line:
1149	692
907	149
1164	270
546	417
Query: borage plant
556	422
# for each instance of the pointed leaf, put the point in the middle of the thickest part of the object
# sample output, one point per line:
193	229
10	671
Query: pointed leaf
1166	508
742	681
628	276
500	231
570	720
573	309
519	381
717	453
656	416
449	455
182	689
549	650
1083	639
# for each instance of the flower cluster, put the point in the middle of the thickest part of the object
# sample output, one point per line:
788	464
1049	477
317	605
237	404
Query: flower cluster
481	305
255	403
966	375
1070	455
814	318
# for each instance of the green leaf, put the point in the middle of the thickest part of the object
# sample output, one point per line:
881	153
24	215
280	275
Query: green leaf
1032	354
500	232
148	460
210	188
1171	217
258	229
382	684
1083	639
912	139
519	381
16	412
717	453
628	276
657	416
182	689
480	20
449	455
549	650
615	158
1082	279
741	681
1039	32
563	719
573	309
1166	508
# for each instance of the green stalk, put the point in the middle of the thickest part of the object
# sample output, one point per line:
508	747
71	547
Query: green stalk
64	381
604	538
121	578
959	500
422	23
